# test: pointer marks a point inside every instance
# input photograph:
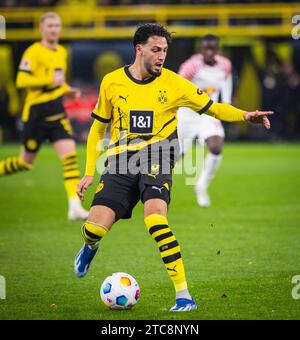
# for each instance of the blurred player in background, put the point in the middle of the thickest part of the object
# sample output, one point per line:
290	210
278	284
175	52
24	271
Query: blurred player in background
211	72
42	73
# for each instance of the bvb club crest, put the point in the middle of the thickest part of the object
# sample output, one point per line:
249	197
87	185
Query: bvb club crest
162	97
100	187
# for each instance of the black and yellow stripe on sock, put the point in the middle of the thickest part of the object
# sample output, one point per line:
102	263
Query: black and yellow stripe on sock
13	165
92	233
71	174
169	248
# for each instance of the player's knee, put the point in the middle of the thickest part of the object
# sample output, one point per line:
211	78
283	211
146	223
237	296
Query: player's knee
215	145
216	148
103	215
155	206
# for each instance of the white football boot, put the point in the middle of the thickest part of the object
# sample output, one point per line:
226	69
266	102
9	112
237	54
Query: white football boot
202	196
76	211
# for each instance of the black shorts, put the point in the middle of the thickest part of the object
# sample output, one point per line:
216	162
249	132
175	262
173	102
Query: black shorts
47	121
122	192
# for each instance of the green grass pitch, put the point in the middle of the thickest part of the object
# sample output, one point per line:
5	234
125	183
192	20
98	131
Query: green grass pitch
240	255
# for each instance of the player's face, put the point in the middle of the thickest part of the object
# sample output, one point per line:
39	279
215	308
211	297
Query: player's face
50	29
209	50
154	54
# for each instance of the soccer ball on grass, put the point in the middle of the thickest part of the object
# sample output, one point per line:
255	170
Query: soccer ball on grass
120	291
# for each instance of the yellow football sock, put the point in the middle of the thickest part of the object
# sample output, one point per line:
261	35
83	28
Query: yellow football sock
92	233
169	248
13	165
71	175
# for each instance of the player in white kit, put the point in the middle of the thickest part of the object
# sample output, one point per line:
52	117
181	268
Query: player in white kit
212	73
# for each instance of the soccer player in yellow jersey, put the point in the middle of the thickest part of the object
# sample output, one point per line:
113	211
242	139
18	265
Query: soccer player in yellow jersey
42	73
140	101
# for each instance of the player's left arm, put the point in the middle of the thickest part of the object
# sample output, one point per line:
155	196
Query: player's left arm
230	113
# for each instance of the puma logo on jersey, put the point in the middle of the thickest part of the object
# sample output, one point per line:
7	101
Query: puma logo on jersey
152	175
124	98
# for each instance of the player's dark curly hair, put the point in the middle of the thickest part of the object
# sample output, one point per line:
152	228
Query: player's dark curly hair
145	31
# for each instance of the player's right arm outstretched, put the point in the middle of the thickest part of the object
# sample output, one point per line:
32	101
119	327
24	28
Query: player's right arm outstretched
230	113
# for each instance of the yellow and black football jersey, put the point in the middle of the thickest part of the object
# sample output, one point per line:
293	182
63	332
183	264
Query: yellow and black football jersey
144	112
36	72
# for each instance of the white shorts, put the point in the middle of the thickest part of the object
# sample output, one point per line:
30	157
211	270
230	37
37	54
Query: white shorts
192	125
